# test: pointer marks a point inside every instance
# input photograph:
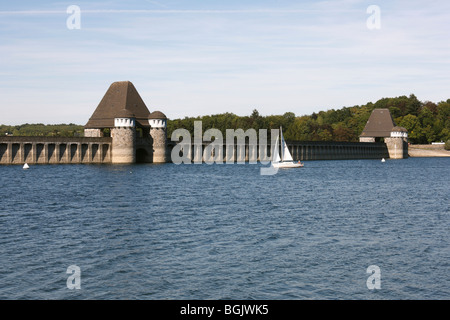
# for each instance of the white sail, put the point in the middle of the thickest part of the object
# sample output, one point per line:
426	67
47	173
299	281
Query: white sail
276	155
285	154
286	157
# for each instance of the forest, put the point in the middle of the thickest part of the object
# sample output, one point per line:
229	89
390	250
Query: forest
425	121
43	130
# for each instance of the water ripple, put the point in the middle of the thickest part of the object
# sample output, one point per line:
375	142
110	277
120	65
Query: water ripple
225	232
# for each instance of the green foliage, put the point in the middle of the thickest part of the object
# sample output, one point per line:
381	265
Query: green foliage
425	122
447	145
42	130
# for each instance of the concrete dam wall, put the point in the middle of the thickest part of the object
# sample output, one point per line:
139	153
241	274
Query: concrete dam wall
300	150
61	150
54	150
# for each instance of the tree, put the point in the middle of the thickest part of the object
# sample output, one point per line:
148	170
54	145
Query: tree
412	124
325	135
413	106
424	121
429	134
426	117
342	133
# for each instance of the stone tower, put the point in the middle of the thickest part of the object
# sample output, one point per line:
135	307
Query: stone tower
158	132
137	134
381	127
397	143
123	136
378	126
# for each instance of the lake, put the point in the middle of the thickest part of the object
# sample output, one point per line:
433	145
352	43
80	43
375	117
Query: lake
224	231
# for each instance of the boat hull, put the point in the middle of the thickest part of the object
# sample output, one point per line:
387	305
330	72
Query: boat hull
287	165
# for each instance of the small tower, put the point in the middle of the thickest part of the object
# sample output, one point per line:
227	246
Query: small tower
399	132
124	137
397	143
158	125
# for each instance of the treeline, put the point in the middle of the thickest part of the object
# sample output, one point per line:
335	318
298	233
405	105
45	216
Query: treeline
426	122
43	130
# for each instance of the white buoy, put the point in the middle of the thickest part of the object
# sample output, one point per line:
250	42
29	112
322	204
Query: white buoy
382	160
26	166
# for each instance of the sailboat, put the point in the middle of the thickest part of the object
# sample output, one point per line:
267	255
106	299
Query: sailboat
285	161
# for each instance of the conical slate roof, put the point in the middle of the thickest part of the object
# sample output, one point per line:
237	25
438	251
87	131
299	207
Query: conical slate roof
157	115
380	124
121	95
124	113
399	129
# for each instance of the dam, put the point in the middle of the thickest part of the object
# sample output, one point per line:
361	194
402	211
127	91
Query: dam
123	131
88	150
54	150
300	151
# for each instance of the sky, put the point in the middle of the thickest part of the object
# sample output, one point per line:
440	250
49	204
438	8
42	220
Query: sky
192	57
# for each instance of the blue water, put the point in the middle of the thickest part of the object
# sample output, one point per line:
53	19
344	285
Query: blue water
226	232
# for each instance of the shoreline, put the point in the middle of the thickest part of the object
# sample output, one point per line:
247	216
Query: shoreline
426	151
